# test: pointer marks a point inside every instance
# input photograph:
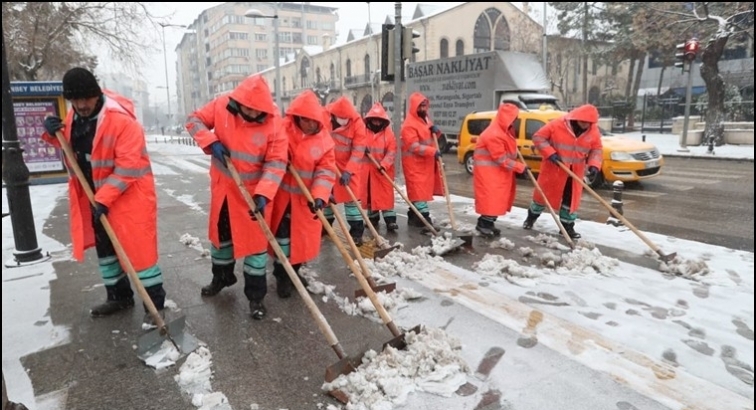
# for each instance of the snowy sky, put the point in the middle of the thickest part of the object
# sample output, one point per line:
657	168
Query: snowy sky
692	328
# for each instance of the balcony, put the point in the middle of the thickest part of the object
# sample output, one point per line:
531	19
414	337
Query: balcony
356	81
332	85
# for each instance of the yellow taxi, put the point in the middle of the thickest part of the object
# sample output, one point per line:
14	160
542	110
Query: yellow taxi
625	159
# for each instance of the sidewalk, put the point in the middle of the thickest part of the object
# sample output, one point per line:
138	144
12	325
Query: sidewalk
669	146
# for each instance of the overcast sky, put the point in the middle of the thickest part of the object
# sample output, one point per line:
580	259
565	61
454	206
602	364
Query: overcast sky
353	15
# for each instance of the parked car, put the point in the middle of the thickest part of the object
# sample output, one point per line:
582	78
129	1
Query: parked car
625	159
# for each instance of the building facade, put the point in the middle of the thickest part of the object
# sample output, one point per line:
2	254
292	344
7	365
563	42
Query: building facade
222	46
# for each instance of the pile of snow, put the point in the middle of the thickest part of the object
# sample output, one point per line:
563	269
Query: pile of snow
503	243
431	363
194	378
687	268
442	244
548	241
165	357
416	264
194	243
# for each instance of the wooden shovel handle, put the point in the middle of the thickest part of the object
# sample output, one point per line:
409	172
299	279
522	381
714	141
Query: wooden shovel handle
323	325
382	243
446	186
123	258
357	271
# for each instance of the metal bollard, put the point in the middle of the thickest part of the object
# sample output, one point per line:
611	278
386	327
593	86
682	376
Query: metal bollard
617	188
710	150
643	137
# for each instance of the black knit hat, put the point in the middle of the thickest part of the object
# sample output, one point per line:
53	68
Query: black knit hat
80	83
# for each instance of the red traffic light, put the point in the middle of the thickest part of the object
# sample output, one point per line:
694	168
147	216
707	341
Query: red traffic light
691	49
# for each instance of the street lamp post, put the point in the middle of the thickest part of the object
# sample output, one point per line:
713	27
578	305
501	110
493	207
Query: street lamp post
165	61
254	13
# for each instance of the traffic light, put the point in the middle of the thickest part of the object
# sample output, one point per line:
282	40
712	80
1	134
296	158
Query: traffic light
691	49
408	43
680	61
686	53
388	44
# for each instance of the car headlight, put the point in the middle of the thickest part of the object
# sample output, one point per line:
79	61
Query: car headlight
621	156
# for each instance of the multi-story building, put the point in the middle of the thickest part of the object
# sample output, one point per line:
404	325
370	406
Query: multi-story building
222	46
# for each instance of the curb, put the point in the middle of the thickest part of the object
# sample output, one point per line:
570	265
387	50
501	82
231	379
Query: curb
707	157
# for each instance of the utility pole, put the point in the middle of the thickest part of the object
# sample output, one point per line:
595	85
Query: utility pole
398	100
372	75
16	178
545	52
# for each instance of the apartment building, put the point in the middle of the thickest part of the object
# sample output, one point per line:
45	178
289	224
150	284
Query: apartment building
222	46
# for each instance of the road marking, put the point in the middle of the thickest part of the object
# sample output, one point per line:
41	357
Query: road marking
657	380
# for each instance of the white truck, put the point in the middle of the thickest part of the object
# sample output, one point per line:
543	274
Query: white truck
457	86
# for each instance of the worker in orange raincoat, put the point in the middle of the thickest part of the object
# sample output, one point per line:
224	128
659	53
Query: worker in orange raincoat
349	137
241	127
378	192
110	149
495	160
311	153
420	158
574	140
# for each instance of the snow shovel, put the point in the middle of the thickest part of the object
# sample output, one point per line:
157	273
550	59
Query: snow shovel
398	342
457	241
466	238
377	254
150	342
548	205
345	364
663	256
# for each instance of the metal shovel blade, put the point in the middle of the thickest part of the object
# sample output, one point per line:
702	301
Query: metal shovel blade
388	288
456	244
381	253
342	367
400	342
150	342
667	257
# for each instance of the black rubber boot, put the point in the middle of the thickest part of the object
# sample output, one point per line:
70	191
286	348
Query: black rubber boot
486	227
375	221
255	287
257	309
570	228
413	220
223	276
284	286
391	225
530	220
356	230
157	296
120	297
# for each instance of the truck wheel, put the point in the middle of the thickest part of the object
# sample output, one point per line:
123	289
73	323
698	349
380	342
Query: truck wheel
443	145
469	162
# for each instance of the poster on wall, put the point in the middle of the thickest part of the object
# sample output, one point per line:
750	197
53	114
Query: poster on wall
32	102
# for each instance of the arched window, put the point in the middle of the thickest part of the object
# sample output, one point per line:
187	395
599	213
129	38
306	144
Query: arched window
304	70
444	51
482	35
333	73
502	36
460	47
348	68
317	75
367	67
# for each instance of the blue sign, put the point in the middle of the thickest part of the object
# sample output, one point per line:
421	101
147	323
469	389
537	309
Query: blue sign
36	88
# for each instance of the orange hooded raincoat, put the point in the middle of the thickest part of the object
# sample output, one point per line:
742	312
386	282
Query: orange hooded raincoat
123	182
420	166
558	137
349	147
313	157
382	147
495	160
257	151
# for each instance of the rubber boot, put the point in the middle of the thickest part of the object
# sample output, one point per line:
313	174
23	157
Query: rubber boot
356	230
391	225
120	297
255	288
284	286
570	228
530	220
485	227
375	221
413	220
157	296
428	218
223	276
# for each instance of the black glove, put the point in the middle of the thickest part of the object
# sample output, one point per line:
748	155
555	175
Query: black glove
260	202
332	199
316	206
99	210
592	172
437	154
53	124
219	152
555	158
525	169
381	168
346	176
435	130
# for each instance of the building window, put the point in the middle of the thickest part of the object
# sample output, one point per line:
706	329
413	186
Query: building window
304	71
367	65
333	72
348	68
312	25
296	22
460	47
261	53
261	36
502	39
444	52
296	38
594	66
284	37
317	75
312	40
482	35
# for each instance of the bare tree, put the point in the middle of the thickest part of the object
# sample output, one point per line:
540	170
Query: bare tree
44	39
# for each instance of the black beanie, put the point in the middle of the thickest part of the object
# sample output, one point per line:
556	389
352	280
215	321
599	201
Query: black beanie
80	83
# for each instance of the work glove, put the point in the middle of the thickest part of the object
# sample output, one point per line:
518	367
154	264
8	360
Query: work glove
346	176
53	124
525	169
437	154
99	210
316	206
260	202
332	199
555	158
219	152
435	130
592	172
381	168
